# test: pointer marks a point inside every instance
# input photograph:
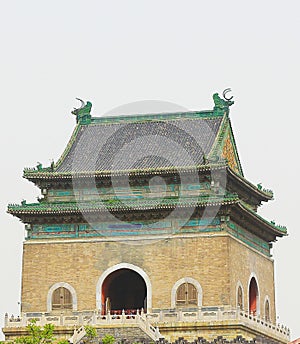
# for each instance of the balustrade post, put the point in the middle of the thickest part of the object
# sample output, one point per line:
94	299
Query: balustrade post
179	315
24	320
61	319
80	318
94	318
123	316
43	319
199	314
108	317
147	326
161	315
219	314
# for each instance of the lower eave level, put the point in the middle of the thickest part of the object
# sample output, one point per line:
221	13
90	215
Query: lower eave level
151	211
231	217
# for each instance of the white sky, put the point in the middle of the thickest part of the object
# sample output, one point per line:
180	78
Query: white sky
116	52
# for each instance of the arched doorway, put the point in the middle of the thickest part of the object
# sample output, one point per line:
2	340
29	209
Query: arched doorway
253	297
123	289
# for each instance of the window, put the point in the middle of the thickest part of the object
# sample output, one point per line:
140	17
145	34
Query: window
186	295
240	297
61	299
267	310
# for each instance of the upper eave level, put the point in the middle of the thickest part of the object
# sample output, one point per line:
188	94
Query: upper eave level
151	144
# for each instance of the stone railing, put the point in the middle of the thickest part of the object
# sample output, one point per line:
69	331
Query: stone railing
86	318
215	314
159	318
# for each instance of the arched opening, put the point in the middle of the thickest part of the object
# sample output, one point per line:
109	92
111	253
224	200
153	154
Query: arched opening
267	311
61	295
61	299
186	295
253	297
186	292
240	298
123	289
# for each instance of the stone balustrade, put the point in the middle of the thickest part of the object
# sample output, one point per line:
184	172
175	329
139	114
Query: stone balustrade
85	318
216	315
157	318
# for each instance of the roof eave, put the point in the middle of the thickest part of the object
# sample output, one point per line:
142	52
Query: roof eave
19	210
35	175
271	228
261	194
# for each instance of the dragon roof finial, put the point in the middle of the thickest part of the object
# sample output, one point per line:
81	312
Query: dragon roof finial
83	113
223	104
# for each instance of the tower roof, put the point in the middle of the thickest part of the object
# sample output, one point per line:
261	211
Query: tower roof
148	142
141	142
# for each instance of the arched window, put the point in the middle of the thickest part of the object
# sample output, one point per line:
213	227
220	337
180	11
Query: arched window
61	295
61	299
267	310
240	297
186	295
253	297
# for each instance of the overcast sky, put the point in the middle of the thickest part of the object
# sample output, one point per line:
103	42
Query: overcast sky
118	52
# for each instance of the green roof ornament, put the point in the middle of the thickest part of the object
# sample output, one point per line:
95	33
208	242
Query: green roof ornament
83	114
222	104
39	166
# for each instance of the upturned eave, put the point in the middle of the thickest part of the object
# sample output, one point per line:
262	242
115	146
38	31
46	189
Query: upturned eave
261	194
257	222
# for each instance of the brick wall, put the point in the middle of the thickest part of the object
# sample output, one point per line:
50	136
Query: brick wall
216	261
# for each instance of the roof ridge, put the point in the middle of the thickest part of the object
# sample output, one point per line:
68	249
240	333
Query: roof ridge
133	118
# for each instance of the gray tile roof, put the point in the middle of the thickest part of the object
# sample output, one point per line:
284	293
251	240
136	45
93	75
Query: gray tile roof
141	145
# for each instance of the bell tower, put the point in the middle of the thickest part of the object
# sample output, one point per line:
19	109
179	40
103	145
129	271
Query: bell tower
148	221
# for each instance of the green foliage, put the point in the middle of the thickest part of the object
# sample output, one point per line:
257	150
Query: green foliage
62	341
90	332
37	334
108	339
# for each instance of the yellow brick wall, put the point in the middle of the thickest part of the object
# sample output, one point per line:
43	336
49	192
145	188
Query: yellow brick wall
166	261
245	262
217	262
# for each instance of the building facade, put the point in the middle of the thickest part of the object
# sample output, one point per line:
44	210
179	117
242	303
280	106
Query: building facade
148	221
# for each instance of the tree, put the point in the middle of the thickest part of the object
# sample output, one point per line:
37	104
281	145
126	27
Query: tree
91	332
108	339
37	334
